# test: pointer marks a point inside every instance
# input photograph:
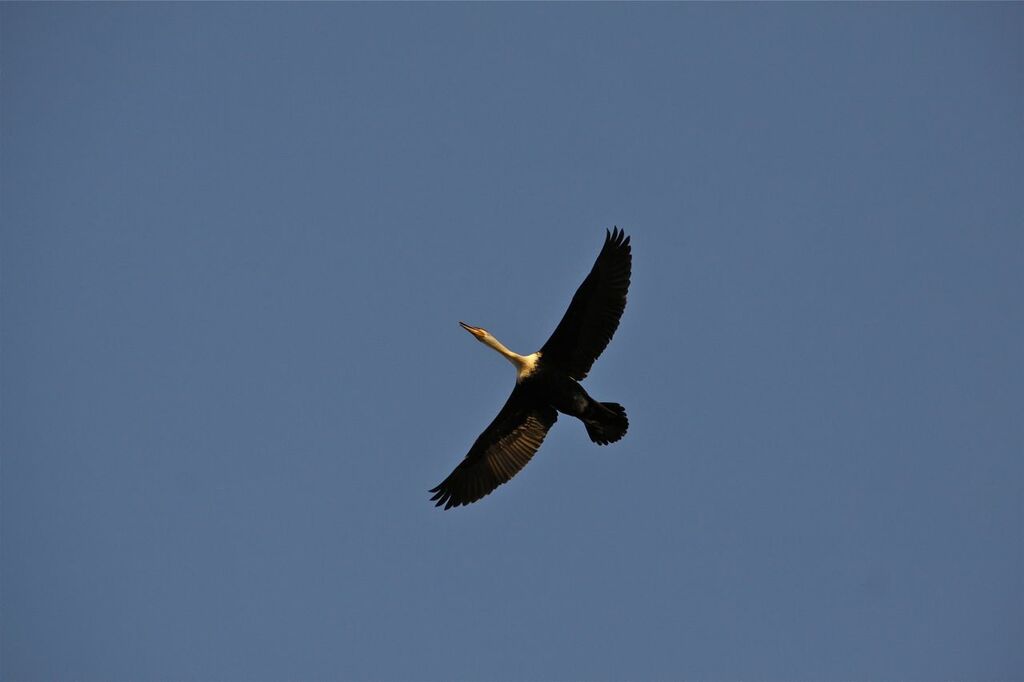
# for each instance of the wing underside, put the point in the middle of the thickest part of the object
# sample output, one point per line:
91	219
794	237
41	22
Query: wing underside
595	310
499	453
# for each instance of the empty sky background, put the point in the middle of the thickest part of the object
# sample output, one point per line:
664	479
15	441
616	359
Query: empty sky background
236	243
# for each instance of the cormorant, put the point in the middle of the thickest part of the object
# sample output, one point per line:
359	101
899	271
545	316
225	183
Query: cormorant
547	382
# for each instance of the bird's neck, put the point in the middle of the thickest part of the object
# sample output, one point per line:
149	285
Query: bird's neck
524	364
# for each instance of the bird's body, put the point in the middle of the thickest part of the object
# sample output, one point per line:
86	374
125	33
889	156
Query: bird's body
562	392
548	383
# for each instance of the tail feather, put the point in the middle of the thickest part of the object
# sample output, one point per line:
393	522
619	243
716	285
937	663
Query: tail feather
608	424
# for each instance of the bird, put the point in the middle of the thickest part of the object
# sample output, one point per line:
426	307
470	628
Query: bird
548	383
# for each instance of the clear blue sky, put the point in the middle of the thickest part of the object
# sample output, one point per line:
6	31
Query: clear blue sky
236	240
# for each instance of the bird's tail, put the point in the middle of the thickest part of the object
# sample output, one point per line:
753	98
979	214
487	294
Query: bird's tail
607	424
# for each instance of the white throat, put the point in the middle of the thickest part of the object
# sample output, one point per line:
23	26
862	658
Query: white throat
525	364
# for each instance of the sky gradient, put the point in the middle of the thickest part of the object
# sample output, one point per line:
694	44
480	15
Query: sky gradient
236	242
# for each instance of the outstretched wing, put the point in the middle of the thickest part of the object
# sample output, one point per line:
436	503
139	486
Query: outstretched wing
593	316
499	452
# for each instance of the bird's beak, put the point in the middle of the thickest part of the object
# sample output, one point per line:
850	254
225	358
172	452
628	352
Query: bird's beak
475	331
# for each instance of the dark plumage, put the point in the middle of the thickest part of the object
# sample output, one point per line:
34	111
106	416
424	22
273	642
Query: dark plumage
547	382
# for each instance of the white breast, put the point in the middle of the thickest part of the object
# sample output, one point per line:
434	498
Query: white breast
527	365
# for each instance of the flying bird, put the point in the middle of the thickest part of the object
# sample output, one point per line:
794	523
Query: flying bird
547	382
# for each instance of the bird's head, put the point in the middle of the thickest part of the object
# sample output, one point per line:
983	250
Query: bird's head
479	332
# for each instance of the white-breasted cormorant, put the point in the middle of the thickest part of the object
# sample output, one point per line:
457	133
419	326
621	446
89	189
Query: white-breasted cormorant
547	382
